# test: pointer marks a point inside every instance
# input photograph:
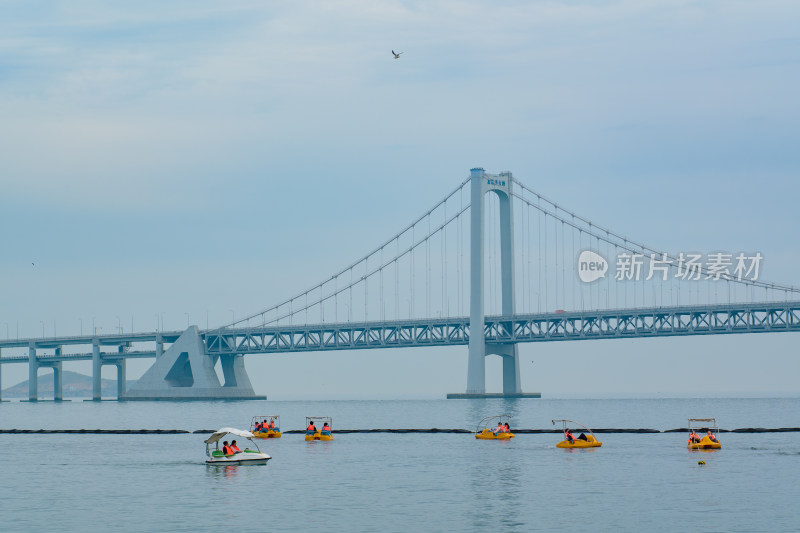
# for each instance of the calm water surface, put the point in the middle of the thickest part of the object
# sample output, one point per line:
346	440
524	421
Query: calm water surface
384	482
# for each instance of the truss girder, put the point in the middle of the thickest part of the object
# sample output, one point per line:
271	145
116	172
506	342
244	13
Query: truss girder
627	323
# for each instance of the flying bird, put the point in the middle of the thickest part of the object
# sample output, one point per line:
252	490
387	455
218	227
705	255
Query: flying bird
396	56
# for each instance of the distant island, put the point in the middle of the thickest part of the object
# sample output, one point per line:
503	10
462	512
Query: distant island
75	385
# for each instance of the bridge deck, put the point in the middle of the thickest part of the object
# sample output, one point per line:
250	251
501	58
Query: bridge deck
762	317
576	325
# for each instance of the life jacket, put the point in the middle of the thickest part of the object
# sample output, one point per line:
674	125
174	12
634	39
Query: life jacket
326	427
569	436
259	427
226	450
506	429
311	427
235	449
272	424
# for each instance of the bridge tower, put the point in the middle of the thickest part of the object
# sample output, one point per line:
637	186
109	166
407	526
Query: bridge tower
501	185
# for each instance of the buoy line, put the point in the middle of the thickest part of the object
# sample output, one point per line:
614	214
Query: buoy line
385	430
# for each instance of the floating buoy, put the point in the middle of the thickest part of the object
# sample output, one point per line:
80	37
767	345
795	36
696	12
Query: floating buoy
701	462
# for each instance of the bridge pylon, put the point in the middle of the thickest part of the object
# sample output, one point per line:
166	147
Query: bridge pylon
481	184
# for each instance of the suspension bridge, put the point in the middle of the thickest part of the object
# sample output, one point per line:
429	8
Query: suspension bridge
494	257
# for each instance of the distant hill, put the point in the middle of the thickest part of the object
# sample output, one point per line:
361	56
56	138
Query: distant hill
75	385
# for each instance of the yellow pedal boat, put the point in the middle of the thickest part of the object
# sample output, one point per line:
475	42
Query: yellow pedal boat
319	434
590	442
704	444
707	425
487	434
483	432
270	433
585	440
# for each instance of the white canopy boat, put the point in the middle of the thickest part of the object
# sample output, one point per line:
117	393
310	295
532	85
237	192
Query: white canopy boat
216	456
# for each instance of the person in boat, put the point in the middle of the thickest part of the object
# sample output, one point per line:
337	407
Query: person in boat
271	424
711	436
569	436
311	429
498	429
326	428
259	426
235	448
226	449
506	428
694	438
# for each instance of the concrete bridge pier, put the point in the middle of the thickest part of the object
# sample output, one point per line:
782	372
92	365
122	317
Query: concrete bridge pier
185	371
121	378
58	382
97	372
510	355
58	388
33	374
233	371
58	378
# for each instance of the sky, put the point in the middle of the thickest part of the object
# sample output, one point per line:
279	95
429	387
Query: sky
165	163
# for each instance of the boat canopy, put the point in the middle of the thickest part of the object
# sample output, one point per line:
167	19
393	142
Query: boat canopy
565	424
219	434
703	423
486	422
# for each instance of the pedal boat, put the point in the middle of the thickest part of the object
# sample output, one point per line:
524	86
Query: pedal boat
319	434
590	442
483	432
704	425
245	457
274	433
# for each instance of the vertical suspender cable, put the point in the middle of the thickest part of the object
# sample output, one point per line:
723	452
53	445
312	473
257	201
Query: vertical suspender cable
574	254
445	307
413	281
428	270
397	279
563	268
523	249
539	257
546	267
555	255
609	274
459	245
528	271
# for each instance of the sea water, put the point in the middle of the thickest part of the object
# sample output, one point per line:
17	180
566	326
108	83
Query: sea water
401	482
